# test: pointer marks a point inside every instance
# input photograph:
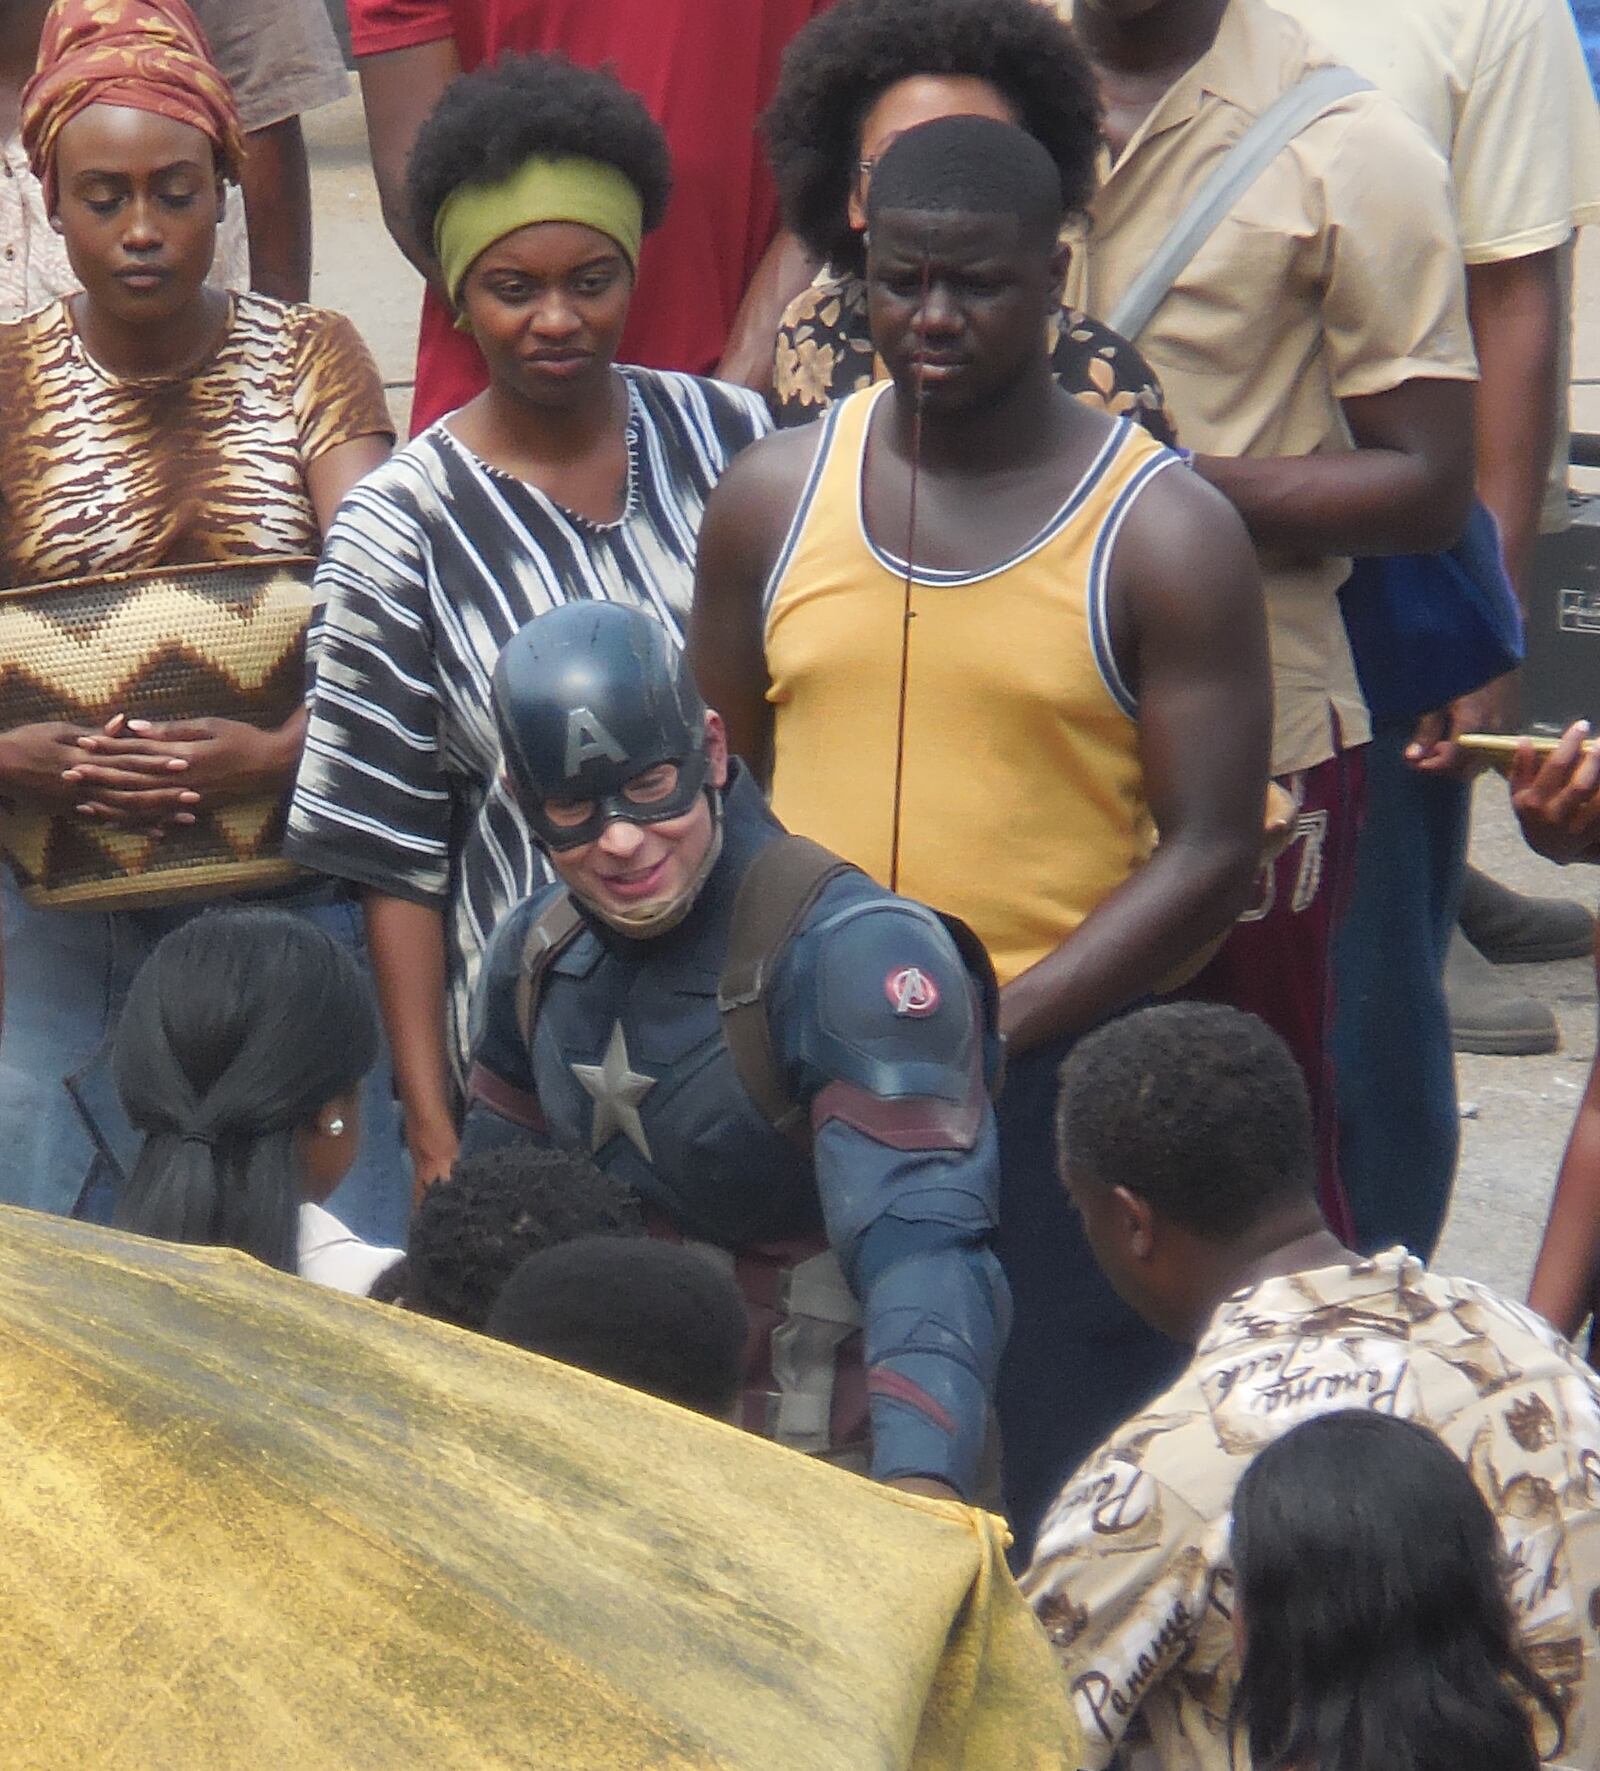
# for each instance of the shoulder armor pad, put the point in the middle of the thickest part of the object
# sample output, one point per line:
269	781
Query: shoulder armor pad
891	1004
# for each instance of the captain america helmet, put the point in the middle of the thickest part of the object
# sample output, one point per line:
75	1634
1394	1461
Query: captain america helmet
599	719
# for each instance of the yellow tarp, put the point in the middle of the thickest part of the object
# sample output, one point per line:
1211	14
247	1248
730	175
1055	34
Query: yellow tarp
248	1522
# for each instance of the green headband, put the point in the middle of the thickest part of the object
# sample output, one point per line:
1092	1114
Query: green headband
567	187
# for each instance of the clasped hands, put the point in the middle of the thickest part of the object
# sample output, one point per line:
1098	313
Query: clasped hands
144	774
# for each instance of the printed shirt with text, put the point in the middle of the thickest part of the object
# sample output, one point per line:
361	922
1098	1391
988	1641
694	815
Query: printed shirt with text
1131	1575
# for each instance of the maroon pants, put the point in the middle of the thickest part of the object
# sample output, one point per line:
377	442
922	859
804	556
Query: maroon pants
1278	961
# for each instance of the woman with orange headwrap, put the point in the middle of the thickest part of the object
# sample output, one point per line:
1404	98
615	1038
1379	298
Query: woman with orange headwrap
150	422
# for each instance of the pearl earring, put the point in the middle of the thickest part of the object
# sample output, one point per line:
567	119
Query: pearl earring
335	1128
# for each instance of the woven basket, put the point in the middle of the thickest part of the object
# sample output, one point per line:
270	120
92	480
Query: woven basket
188	642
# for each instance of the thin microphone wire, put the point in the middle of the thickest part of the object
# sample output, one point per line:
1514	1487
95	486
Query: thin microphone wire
906	612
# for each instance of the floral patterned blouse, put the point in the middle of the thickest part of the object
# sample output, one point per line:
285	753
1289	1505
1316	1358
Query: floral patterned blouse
825	352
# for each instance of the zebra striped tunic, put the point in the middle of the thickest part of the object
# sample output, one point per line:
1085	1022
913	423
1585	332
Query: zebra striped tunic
433	563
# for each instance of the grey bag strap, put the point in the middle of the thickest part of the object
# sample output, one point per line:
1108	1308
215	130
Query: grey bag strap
1241	166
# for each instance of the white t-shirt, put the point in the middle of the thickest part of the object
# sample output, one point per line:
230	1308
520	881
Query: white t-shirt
331	1255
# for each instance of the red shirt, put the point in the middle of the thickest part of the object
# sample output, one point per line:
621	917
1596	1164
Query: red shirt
706	69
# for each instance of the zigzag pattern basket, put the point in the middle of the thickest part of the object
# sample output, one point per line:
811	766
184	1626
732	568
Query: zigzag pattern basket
187	642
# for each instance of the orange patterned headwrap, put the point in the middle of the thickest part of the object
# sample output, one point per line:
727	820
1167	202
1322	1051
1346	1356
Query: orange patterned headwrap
149	55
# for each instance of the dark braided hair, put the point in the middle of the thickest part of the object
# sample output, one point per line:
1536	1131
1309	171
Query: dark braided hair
237	1031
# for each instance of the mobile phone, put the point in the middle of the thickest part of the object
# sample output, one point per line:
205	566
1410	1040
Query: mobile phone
1498	748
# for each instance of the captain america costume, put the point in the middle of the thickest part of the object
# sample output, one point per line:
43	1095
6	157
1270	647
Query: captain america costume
861	1248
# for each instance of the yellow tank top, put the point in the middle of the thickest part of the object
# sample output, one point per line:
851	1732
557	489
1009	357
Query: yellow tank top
1022	799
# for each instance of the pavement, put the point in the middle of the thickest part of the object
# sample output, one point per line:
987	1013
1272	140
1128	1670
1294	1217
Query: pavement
1516	1111
358	270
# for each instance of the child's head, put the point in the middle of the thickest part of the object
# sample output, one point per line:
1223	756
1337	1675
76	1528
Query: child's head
498	1207
239	1054
1373	1624
657	1316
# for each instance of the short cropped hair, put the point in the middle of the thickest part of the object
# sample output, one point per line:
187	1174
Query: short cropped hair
489	122
838	67
1197	1109
499	1206
970	166
656	1316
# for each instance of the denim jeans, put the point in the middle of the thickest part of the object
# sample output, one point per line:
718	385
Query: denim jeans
66	1145
1395	1070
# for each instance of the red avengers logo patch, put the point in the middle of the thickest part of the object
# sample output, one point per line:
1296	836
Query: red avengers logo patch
911	992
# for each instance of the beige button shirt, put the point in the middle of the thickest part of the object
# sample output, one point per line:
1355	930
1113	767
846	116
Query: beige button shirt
1337	274
1502	88
1131	1576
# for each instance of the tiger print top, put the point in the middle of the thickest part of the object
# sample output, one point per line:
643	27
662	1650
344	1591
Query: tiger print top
102	474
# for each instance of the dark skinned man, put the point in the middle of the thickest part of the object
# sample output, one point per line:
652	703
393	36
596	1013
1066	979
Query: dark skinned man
1078	664
1317	357
1501	88
1185	1140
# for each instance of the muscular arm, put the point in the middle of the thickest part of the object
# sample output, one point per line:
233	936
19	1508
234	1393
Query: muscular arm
1405	488
1188	622
785	269
1515	309
407	944
398	90
276	185
740	538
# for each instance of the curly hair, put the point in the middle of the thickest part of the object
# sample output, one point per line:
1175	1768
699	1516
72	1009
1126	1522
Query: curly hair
489	122
1198	1109
840	64
656	1316
500	1205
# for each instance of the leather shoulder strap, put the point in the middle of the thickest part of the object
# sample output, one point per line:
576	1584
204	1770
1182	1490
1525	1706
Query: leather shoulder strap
782	883
1239	168
549	933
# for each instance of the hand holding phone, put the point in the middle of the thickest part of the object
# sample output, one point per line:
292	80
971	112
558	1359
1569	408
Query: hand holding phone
1555	792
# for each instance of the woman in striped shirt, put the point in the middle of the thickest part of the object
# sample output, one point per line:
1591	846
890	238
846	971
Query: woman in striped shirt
568	477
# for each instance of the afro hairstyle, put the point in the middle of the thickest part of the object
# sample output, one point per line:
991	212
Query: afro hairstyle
1198	1109
499	1206
491	121
656	1316
839	66
974	165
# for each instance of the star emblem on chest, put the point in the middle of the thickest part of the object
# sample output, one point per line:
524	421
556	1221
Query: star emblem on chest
617	1089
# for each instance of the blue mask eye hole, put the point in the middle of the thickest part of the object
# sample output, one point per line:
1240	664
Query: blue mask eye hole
653	786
